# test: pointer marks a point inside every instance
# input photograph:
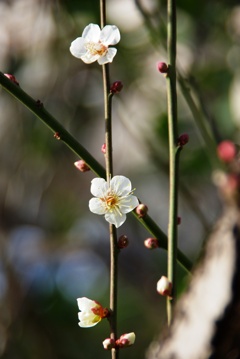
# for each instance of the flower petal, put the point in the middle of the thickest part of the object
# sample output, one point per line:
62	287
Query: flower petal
91	33
86	303
115	218
99	187
88	320
77	47
89	58
108	57
110	35
96	205
121	185
128	204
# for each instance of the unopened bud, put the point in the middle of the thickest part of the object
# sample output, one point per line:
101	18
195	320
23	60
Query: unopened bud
108	344
141	210
126	340
164	286
116	87
123	241
81	166
151	243
162	67
183	140
226	151
103	148
12	78
179	220
57	136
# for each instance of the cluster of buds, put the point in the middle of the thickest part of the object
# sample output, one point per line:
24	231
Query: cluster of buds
125	340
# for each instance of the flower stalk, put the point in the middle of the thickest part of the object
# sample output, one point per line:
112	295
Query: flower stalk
109	173
173	152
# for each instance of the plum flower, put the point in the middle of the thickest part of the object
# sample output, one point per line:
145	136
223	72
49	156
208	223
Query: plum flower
91	312
94	43
113	200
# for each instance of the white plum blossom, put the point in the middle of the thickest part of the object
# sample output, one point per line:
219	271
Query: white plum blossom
113	200
91	312
94	43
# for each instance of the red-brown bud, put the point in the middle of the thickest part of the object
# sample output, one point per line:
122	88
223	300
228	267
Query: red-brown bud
141	210
12	78
116	87
226	151
81	166
122	241
151	243
179	220
183	140
162	67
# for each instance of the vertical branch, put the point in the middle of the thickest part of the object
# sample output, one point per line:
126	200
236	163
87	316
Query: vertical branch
109	174
173	152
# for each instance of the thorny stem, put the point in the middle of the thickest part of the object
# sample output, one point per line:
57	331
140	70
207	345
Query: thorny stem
109	174
173	152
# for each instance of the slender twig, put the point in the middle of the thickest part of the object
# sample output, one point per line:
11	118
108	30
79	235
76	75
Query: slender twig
40	112
173	153
109	173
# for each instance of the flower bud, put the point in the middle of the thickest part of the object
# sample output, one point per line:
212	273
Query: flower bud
103	148
179	220
183	140
12	78
116	87
164	286
122	241
141	210
57	136
126	340
226	151
151	243
162	67
81	166
108	344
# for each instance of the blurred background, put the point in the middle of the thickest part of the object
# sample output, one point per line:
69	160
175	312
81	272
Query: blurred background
53	250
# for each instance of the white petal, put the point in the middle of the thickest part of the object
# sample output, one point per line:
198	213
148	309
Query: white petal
99	187
92	33
77	47
128	204
88	320
108	57
88	58
110	35
96	205
85	303
121	185
115	218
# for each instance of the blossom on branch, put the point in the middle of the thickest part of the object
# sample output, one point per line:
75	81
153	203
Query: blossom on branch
94	43
91	312
113	200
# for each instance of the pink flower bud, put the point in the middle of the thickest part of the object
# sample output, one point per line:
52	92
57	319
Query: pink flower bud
151	243
164	286
141	210
123	241
81	166
162	67
12	78
108	344
116	87
126	340
183	140
103	148
226	151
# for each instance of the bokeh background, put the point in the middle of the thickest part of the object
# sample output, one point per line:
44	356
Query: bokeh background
52	249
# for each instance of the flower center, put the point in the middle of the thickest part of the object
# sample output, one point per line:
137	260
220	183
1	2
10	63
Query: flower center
96	48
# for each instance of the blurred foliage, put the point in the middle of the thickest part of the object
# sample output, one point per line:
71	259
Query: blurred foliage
52	249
